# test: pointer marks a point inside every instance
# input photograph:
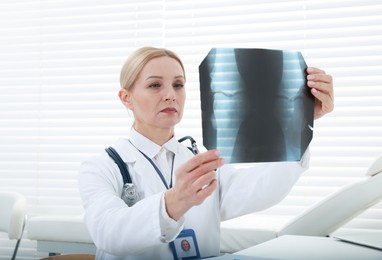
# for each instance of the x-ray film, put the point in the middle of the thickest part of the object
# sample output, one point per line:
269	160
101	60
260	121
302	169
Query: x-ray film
255	104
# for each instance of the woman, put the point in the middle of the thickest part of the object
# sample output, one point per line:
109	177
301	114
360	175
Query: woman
178	192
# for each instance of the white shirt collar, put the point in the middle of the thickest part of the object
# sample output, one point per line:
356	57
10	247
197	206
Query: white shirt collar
150	148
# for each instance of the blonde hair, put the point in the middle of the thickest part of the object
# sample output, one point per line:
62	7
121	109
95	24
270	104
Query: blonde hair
138	59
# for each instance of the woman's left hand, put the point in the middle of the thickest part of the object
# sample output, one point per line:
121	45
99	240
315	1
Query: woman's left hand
321	85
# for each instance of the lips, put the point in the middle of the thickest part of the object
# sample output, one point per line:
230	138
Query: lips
169	110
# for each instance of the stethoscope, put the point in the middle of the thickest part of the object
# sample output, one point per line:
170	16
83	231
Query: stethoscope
193	148
129	194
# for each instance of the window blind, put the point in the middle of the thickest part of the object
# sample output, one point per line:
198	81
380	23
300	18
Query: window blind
59	73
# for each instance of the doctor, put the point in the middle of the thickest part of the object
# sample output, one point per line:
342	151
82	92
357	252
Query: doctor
179	193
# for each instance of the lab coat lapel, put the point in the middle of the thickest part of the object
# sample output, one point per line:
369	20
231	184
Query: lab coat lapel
181	156
148	177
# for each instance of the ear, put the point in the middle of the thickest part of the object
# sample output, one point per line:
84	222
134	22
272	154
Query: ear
125	97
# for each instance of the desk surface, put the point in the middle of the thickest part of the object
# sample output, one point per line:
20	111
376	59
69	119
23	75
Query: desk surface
306	247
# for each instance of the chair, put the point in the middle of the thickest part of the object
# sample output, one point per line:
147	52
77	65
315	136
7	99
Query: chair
57	234
321	219
12	216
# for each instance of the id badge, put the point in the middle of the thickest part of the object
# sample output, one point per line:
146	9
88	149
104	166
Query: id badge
185	245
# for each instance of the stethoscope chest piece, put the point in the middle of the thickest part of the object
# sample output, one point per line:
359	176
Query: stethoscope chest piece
129	194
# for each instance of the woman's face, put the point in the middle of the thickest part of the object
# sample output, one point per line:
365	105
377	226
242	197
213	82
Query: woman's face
185	245
157	97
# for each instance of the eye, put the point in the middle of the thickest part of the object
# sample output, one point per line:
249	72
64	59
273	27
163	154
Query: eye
178	85
154	85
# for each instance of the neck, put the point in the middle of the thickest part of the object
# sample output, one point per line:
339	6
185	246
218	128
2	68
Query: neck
159	135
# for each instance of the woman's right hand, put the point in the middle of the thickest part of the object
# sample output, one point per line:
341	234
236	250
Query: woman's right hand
195	181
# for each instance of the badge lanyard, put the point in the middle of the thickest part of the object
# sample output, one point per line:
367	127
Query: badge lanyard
186	233
157	169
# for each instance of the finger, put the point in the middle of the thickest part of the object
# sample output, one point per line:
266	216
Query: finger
314	70
322	91
322	81
320	78
316	77
204	180
321	86
206	168
206	191
327	104
200	159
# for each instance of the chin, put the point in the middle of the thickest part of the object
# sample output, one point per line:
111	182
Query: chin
168	125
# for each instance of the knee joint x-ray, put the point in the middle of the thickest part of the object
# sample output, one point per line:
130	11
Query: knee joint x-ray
255	104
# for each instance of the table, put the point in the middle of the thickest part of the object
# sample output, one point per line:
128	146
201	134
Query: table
306	247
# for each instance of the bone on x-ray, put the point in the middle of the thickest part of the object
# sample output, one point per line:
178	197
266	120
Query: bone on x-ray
255	104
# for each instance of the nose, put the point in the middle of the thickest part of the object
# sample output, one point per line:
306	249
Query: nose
169	94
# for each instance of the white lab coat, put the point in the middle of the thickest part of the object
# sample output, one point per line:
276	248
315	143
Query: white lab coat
144	230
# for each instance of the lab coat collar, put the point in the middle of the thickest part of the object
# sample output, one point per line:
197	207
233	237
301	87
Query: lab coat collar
144	144
128	152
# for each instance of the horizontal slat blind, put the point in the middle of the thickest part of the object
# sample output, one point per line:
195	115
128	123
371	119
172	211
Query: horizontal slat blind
59	71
